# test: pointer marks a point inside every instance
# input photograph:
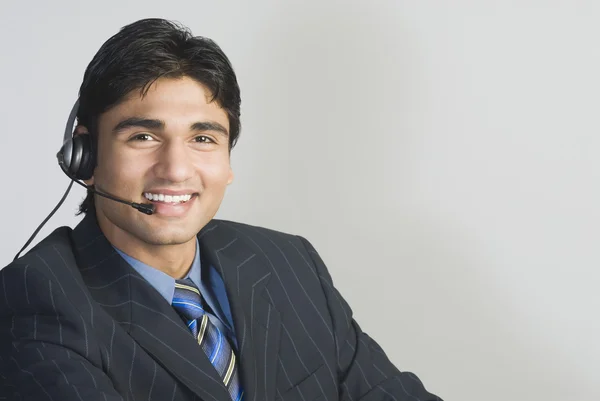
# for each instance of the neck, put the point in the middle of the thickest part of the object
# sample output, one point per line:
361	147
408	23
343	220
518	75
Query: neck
172	259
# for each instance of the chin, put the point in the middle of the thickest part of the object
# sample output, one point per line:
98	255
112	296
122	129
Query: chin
165	235
168	237
172	232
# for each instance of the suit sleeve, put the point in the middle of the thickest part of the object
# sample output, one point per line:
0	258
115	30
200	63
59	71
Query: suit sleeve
364	371
46	347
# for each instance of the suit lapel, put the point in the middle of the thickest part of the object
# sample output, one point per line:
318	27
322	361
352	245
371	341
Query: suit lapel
246	274
143	312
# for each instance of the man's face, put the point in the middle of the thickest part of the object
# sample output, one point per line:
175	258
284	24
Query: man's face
171	143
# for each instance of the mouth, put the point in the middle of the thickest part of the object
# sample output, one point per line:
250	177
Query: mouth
171	206
169	199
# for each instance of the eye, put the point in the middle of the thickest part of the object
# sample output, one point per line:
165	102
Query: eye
203	139
142	137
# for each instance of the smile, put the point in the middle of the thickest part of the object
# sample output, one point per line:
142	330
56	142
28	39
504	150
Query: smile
167	198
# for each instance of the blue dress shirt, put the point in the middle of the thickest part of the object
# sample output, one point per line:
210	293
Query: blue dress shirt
211	287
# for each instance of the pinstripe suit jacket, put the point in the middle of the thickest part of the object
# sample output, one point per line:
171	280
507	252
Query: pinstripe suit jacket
78	323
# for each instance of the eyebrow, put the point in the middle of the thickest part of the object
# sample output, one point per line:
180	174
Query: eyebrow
148	123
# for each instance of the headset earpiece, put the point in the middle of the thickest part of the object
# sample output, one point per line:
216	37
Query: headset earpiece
77	156
88	156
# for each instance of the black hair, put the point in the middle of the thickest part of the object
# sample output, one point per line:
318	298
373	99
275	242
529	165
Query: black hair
144	51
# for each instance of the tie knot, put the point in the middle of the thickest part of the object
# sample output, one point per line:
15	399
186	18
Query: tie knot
187	300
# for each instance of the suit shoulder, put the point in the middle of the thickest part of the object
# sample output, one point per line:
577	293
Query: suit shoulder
253	230
56	245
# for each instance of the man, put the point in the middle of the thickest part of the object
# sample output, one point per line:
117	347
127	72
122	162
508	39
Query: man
175	305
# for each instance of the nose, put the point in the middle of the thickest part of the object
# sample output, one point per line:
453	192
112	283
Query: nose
174	162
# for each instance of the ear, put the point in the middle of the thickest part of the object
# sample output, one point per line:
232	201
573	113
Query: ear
80	129
89	182
231	176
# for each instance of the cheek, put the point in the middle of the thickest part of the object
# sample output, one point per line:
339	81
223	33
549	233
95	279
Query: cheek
108	158
117	166
214	173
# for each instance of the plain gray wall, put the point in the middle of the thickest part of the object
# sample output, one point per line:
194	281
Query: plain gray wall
441	155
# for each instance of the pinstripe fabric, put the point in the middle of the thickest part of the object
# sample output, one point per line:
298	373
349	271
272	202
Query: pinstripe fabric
189	303
78	323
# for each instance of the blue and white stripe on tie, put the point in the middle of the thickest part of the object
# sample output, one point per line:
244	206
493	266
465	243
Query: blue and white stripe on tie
188	302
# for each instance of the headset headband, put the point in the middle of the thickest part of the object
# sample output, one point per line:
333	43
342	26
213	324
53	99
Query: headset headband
71	122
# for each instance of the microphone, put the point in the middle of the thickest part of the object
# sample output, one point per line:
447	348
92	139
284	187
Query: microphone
146	208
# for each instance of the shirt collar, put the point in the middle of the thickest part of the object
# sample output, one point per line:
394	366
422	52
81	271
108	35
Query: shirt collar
161	281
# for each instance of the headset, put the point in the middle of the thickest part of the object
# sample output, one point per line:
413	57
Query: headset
77	156
77	159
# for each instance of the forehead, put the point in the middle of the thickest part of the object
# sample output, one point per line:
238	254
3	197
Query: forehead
173	100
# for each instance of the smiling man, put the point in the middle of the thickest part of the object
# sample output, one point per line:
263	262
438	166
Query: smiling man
174	304
169	147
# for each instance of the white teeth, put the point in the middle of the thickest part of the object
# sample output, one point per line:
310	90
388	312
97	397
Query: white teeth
167	198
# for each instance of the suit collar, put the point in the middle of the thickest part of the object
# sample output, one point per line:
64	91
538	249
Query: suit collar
142	312
246	272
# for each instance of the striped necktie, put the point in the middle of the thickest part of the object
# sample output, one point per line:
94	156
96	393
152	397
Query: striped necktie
188	302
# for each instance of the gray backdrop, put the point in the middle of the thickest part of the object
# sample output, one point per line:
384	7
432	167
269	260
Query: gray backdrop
441	156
